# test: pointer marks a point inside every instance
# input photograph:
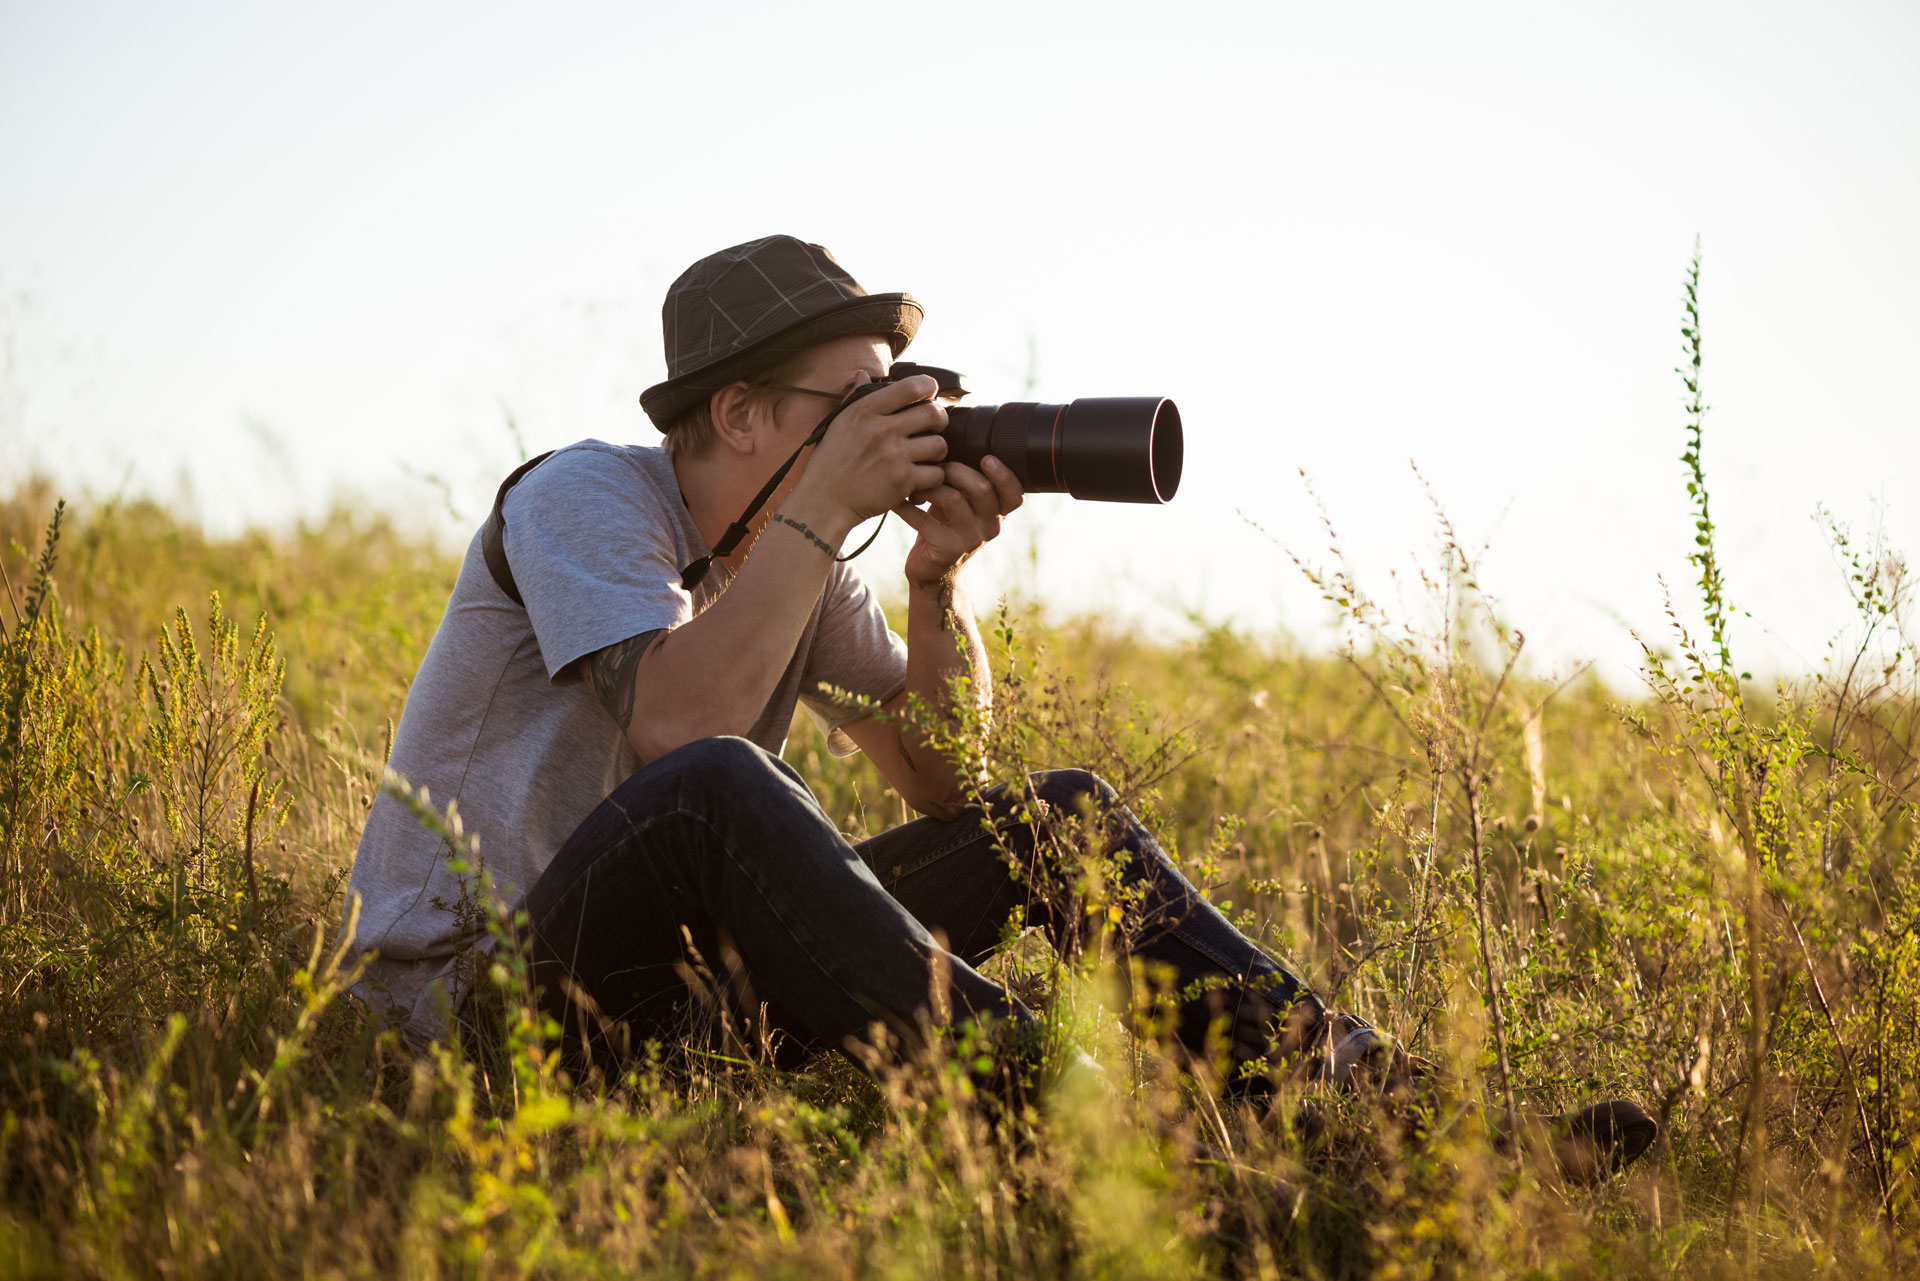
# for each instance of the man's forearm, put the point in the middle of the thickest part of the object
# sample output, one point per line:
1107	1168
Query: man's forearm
714	674
942	642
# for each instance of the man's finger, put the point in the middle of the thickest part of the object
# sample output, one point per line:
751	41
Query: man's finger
915	422
979	491
969	482
925	477
940	501
925	449
1005	483
897	396
951	506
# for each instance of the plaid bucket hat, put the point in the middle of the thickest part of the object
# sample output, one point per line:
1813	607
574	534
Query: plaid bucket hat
737	312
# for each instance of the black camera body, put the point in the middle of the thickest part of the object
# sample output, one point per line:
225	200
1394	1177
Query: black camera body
1114	449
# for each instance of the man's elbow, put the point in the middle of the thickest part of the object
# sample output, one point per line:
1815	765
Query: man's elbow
945	811
654	732
934	802
653	738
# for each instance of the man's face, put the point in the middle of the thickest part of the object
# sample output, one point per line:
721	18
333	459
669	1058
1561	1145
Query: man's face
830	367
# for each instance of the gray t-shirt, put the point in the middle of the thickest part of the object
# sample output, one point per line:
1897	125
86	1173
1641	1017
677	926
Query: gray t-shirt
495	722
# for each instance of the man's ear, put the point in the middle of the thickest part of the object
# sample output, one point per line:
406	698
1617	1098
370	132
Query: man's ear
731	409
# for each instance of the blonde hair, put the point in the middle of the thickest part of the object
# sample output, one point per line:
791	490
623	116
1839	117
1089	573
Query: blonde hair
692	430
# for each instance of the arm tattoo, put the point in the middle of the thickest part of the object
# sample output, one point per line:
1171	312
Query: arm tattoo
610	672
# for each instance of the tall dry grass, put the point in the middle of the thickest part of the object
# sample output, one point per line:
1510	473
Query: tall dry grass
1702	896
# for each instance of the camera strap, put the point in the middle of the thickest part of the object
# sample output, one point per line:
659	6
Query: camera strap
697	570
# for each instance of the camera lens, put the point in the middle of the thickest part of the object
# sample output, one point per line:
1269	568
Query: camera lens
1115	449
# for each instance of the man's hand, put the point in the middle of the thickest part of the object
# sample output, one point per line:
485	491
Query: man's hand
880	447
963	512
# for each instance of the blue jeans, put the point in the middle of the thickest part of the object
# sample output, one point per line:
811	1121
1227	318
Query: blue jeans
719	844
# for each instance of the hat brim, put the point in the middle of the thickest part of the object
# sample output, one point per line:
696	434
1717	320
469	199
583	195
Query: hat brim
895	317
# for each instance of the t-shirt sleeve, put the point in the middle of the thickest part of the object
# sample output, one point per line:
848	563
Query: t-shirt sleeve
594	561
855	651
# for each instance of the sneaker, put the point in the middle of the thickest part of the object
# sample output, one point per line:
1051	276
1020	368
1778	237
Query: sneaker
1345	1052
1588	1145
1350	1052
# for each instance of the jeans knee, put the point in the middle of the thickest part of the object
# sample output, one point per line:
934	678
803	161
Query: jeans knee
1071	790
728	753
729	765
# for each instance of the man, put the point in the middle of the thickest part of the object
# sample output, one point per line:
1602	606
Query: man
608	694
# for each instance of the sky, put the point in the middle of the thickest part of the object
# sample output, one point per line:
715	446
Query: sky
259	260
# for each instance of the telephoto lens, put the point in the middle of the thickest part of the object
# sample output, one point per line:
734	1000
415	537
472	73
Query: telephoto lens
1112	449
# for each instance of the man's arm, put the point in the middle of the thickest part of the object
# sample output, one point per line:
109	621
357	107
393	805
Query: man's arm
714	674
942	640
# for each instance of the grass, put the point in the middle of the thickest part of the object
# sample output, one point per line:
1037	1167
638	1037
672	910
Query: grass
1702	896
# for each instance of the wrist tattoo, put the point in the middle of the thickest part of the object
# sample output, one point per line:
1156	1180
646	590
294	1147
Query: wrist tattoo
812	537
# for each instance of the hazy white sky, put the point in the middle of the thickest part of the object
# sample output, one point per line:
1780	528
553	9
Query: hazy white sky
267	255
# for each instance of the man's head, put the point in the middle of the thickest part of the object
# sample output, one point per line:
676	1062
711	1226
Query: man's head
758	312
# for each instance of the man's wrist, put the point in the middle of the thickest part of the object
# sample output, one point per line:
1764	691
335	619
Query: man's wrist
805	531
941	588
822	519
